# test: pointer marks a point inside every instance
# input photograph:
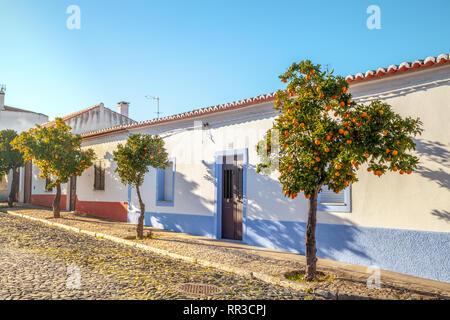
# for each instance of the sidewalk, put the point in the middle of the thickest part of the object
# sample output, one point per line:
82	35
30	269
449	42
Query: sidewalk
266	264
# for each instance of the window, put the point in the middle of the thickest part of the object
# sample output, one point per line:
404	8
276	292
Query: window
165	179
99	176
47	182
331	201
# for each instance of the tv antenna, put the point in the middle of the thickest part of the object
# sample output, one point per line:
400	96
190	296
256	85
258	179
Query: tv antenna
2	88
157	104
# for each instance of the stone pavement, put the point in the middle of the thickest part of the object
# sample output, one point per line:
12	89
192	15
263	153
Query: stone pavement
42	262
351	279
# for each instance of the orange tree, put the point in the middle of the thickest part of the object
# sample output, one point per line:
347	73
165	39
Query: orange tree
324	136
133	159
10	160
57	153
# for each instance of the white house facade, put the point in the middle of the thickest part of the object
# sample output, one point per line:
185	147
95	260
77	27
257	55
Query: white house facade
398	223
96	117
19	120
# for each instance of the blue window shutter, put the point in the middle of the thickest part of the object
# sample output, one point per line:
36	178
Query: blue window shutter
330	201
165	185
160	185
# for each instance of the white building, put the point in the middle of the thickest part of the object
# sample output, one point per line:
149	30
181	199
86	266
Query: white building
97	117
399	223
18	120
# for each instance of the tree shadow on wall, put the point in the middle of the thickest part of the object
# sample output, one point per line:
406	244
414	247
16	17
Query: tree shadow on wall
280	223
441	214
437	152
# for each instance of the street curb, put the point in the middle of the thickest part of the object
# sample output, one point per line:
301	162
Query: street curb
303	287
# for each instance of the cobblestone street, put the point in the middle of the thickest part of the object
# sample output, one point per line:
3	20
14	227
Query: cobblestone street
35	259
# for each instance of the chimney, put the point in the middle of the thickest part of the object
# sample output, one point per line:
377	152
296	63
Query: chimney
123	107
2	97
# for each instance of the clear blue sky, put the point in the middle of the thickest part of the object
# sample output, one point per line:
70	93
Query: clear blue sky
197	53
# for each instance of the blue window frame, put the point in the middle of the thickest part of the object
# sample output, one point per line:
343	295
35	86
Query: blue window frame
165	185
330	201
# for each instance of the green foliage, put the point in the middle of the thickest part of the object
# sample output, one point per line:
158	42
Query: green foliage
9	158
55	151
324	136
140	152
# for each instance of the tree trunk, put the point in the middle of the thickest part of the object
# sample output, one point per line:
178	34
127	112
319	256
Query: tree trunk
14	183
310	241
56	201
140	226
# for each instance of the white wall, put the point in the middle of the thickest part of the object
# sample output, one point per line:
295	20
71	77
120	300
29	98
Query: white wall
38	184
96	119
4	187
114	191
20	121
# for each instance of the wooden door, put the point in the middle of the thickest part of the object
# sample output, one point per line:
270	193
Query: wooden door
232	200
27	182
72	193
16	179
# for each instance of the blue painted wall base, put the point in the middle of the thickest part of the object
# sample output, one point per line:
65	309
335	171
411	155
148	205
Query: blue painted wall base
419	253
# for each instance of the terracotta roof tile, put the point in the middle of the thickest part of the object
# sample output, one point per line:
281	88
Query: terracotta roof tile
402	67
13	109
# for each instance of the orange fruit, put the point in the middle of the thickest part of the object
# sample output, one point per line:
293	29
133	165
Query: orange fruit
381	112
315	168
384	132
298	143
401	172
344	89
364	114
307	196
366	155
337	174
394	168
387	150
337	167
313	71
284	80
317	159
328	138
342	104
395	152
327	150
349	141
345	133
341	131
317	142
302	125
408	171
368	169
